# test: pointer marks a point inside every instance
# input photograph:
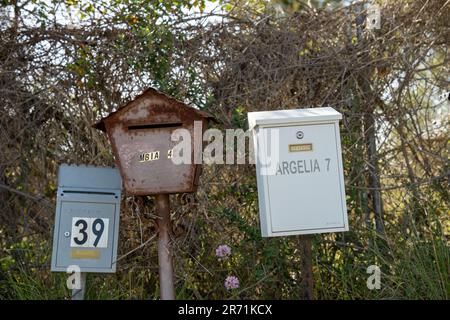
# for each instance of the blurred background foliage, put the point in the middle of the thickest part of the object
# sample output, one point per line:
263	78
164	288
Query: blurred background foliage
65	64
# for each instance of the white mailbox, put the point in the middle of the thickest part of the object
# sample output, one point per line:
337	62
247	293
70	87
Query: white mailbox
299	171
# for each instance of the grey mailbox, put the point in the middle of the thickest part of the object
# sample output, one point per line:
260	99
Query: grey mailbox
87	219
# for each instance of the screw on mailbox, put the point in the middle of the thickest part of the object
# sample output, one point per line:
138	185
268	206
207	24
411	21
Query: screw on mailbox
299	135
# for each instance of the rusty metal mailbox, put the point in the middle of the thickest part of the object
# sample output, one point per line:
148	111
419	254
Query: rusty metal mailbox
140	133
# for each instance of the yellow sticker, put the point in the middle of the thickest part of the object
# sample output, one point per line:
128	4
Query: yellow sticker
300	147
85	254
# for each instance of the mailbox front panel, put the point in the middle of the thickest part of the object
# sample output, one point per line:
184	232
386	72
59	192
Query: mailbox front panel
305	194
146	161
86	231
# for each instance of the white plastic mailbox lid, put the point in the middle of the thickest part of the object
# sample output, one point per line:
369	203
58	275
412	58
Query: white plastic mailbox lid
280	117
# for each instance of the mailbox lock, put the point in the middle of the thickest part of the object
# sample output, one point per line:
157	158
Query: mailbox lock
299	134
67	234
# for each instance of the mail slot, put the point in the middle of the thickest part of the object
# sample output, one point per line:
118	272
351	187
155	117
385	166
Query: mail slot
299	171
87	219
140	133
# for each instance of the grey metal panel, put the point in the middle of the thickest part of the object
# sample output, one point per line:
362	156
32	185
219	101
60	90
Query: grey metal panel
89	197
89	177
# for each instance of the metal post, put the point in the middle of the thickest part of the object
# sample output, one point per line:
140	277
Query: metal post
306	285
166	282
78	294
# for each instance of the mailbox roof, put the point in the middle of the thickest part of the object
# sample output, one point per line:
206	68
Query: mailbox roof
292	116
151	91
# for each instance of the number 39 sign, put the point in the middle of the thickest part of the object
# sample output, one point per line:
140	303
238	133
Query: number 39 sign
89	232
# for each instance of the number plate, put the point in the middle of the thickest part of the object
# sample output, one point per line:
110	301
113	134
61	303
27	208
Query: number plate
89	232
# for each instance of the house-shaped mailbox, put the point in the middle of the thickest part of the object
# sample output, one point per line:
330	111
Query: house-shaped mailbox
140	133
299	171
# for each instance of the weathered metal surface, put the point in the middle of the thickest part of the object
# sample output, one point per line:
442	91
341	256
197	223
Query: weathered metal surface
166	279
140	135
307	281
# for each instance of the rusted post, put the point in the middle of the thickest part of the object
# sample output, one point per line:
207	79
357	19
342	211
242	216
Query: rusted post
306	285
166	282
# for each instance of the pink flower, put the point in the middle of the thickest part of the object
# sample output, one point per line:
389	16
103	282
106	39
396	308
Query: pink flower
223	251
231	282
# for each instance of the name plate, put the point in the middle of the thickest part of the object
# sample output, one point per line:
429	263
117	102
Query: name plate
85	254
300	147
149	156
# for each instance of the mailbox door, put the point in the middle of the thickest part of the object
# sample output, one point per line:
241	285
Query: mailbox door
86	234
145	159
305	195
